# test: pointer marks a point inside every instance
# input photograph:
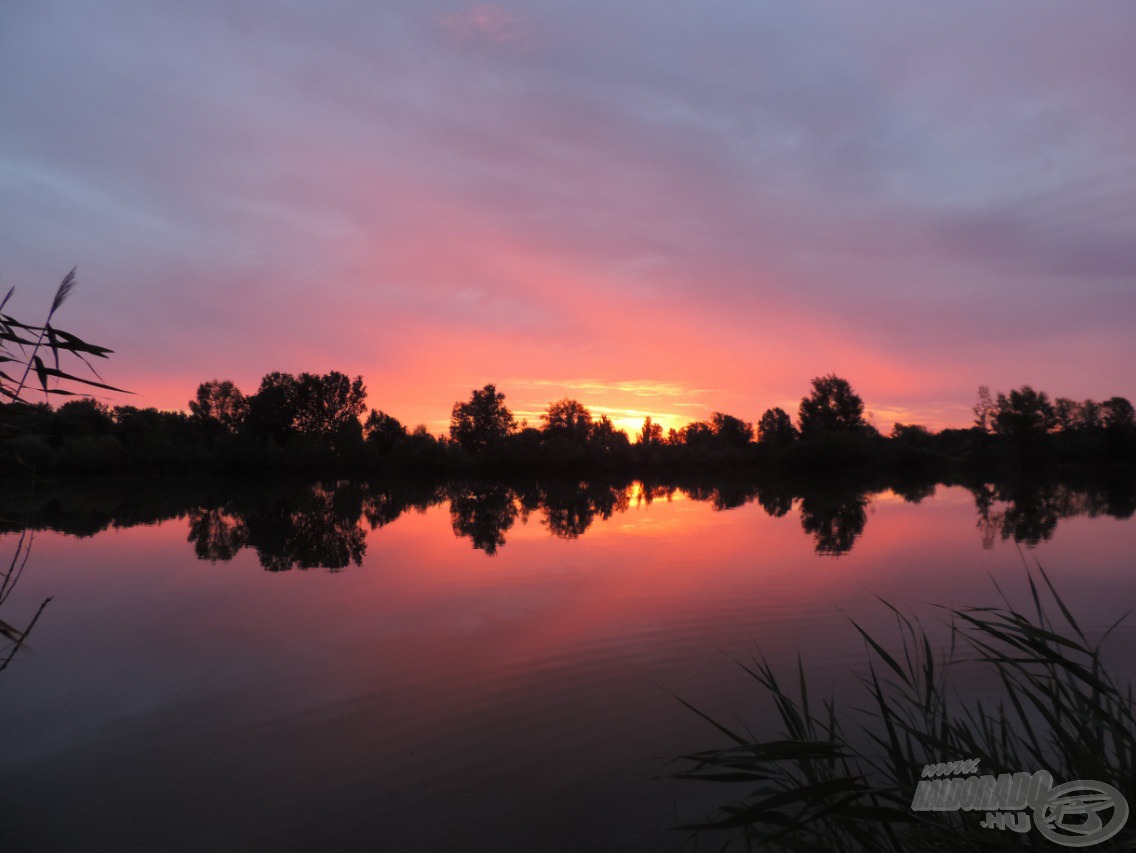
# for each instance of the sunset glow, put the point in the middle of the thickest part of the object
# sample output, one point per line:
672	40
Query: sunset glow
659	214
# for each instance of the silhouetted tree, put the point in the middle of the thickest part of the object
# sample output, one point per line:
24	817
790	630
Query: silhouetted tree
220	405
383	432
832	406
273	408
326	404
83	417
697	434
568	419
152	435
1023	414
1089	415
605	436
481	422
650	434
730	431
915	434
1066	414
984	410
775	429
308	404
1117	415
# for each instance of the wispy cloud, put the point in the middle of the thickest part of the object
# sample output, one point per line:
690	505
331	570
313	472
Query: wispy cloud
487	22
638	388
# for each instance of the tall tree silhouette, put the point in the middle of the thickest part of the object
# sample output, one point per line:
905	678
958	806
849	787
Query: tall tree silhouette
697	434
220	405
482	421
1118	415
651	433
383	432
568	419
731	431
984	410
775	428
326	404
308	404
832	406
1024	414
605	436
272	409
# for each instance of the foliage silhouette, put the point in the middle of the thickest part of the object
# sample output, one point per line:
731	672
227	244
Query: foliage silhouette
1024	414
1118	415
650	434
311	423
219	406
318	406
483	421
822	787
568	419
383	432
831	406
731	431
775	428
21	345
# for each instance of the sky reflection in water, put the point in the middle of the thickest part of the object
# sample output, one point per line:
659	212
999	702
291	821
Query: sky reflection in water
430	695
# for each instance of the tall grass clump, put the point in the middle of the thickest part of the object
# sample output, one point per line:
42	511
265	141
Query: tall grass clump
23	350
826	785
23	347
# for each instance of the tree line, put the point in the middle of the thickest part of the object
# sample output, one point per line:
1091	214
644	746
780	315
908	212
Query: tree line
321	422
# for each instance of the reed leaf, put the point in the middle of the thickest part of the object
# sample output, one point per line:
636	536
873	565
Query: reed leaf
1061	711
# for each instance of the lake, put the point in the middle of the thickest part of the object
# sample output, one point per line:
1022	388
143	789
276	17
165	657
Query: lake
474	667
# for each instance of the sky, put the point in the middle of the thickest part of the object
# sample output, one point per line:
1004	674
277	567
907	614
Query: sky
661	209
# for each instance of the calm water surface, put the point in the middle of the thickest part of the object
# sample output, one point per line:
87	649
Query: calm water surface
434	696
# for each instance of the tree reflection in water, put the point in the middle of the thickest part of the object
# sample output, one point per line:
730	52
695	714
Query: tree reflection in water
834	521
316	529
483	513
570	509
1028	513
324	525
215	534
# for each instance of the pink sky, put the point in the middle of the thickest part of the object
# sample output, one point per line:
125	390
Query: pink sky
656	209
